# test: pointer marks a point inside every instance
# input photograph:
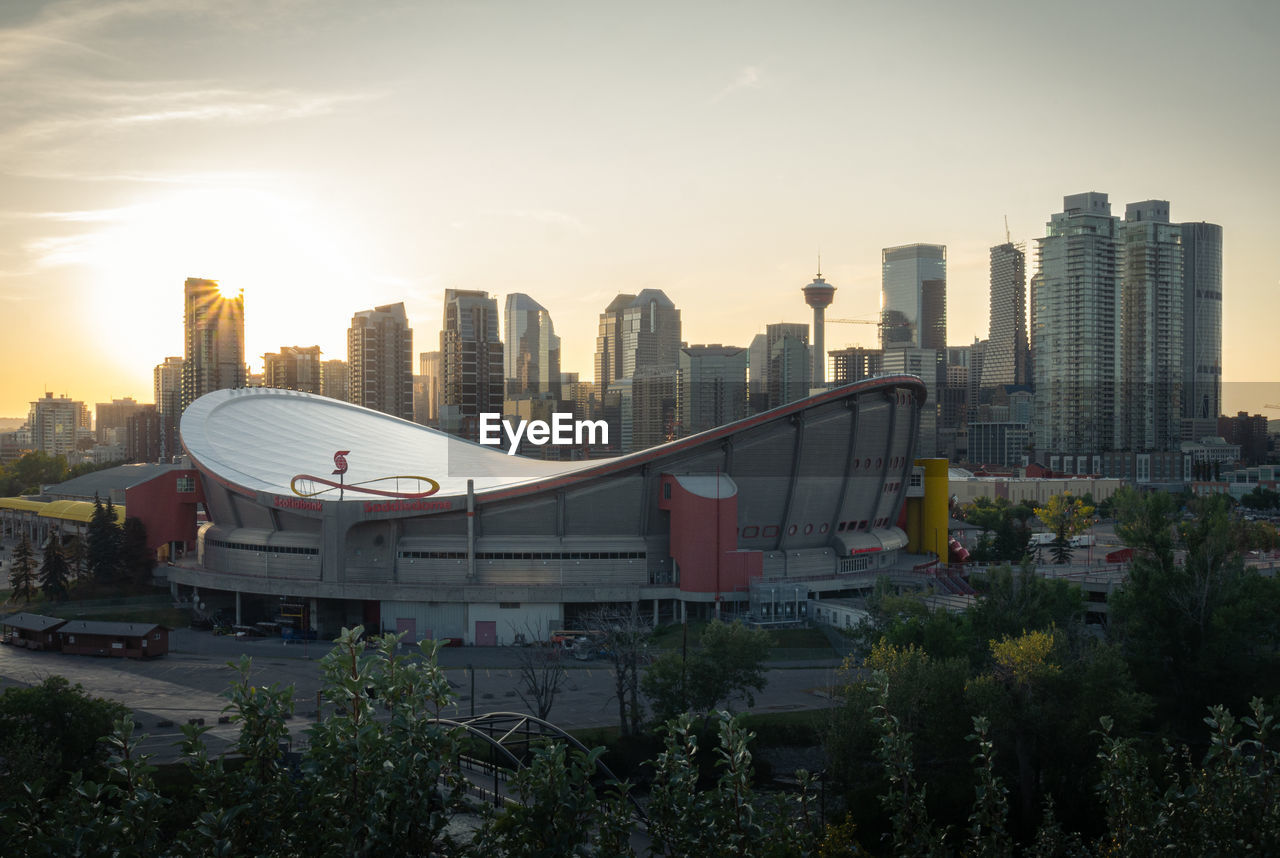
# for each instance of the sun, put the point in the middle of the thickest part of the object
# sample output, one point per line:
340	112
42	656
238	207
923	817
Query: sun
293	268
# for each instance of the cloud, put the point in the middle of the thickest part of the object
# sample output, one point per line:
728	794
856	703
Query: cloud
748	77
549	217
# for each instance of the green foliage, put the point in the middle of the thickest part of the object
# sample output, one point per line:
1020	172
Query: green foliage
22	572
103	540
727	664
28	474
1065	516
1005	532
137	560
1197	632
1261	498
54	571
50	731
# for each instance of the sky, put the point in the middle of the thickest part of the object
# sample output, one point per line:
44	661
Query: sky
327	157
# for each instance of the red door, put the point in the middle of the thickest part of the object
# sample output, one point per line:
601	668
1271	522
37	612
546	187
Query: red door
409	626
486	632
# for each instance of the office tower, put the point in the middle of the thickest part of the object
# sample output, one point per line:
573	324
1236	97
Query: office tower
1005	358
110	419
1249	431
426	390
380	361
789	362
609	341
712	387
913	303
56	424
214	357
294	368
854	364
333	379
471	362
819	294
923	363
1201	329
650	332
531	349
1077	326
1151	341
653	407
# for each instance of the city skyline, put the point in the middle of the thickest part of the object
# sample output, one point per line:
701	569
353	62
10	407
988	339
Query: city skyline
353	157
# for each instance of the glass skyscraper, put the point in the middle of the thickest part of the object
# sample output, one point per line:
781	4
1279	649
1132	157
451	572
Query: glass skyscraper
913	302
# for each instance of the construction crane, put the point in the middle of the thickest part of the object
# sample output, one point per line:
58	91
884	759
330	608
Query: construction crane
872	322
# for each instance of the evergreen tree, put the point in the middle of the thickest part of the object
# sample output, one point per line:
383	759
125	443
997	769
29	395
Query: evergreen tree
54	572
22	574
73	549
104	540
137	560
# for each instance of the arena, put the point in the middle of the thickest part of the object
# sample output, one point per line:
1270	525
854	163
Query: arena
350	515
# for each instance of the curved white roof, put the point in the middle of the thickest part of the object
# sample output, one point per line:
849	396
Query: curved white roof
260	438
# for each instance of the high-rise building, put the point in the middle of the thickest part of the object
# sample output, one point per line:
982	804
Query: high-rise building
712	387
426	390
57	424
778	365
380	360
609	342
650	333
924	363
294	368
143	435
1201	328
1076	324
913	303
111	418
167	381
1005	356
333	379
854	364
531	350
1151	341
1249	431
214	357
471	369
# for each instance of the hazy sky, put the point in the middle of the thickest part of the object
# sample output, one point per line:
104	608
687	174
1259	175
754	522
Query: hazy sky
330	156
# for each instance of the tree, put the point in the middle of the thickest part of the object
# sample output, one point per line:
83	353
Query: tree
103	537
49	731
728	664
1065	517
541	675
137	559
1202	631
625	640
22	572
54	572
74	550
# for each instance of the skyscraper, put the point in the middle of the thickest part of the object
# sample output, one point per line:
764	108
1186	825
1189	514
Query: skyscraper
712	387
380	360
609	341
471	362
913	304
57	423
531	349
1201	329
1076	318
1151	340
1005	356
788	362
427	389
214	357
293	368
650	332
167	379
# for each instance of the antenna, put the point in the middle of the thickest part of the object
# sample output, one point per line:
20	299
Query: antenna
819	264
1007	239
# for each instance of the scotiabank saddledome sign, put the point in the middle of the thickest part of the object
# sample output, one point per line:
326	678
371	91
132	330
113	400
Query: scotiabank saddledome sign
404	488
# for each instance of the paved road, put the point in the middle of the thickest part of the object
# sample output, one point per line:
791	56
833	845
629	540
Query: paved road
188	683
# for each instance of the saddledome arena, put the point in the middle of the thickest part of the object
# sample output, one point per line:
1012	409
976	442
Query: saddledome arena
755	517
